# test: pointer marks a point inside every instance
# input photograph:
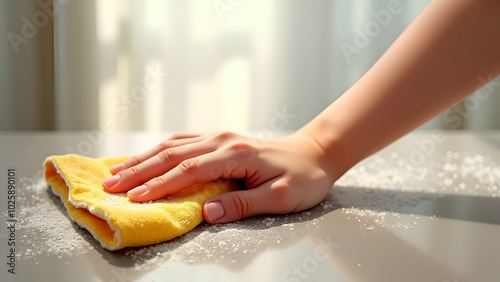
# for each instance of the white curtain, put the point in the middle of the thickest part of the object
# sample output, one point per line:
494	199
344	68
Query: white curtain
26	67
197	65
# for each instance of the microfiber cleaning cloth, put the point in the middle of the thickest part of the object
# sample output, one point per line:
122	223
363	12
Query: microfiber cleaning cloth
111	218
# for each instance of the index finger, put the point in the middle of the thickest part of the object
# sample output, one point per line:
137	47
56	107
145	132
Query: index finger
174	141
205	168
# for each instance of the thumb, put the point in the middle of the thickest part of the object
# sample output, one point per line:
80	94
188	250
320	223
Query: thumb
236	205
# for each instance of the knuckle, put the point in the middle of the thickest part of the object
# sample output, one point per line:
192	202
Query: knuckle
135	172
243	150
132	161
164	145
189	166
167	155
282	196
159	182
224	135
177	135
242	205
240	146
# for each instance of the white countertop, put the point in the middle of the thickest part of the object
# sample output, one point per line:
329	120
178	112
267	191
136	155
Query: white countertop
422	209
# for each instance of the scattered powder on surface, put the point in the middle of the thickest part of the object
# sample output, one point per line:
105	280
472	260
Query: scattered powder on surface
369	193
376	188
454	173
44	224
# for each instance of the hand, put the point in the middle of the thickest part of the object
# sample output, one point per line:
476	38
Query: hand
282	175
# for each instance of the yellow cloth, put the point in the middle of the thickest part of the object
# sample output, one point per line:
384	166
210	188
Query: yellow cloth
112	219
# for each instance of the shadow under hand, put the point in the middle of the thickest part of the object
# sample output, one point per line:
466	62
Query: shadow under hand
235	245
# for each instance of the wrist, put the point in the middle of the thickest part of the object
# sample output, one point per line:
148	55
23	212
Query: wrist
336	149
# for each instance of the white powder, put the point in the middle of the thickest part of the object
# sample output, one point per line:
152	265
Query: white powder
369	194
44	224
225	243
375	188
453	174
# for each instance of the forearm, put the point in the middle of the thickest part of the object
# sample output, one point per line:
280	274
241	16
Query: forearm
433	65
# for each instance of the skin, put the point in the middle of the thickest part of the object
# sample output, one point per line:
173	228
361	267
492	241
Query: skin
434	64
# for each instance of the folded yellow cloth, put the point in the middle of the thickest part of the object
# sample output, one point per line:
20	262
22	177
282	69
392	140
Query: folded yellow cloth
112	219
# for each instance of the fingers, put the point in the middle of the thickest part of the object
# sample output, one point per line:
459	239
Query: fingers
182	135
272	197
155	166
279	174
174	141
229	162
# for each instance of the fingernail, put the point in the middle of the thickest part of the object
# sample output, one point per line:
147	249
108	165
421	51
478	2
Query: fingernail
116	168
214	211
137	191
111	181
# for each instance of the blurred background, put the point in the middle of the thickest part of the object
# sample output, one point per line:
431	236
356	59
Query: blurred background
197	65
